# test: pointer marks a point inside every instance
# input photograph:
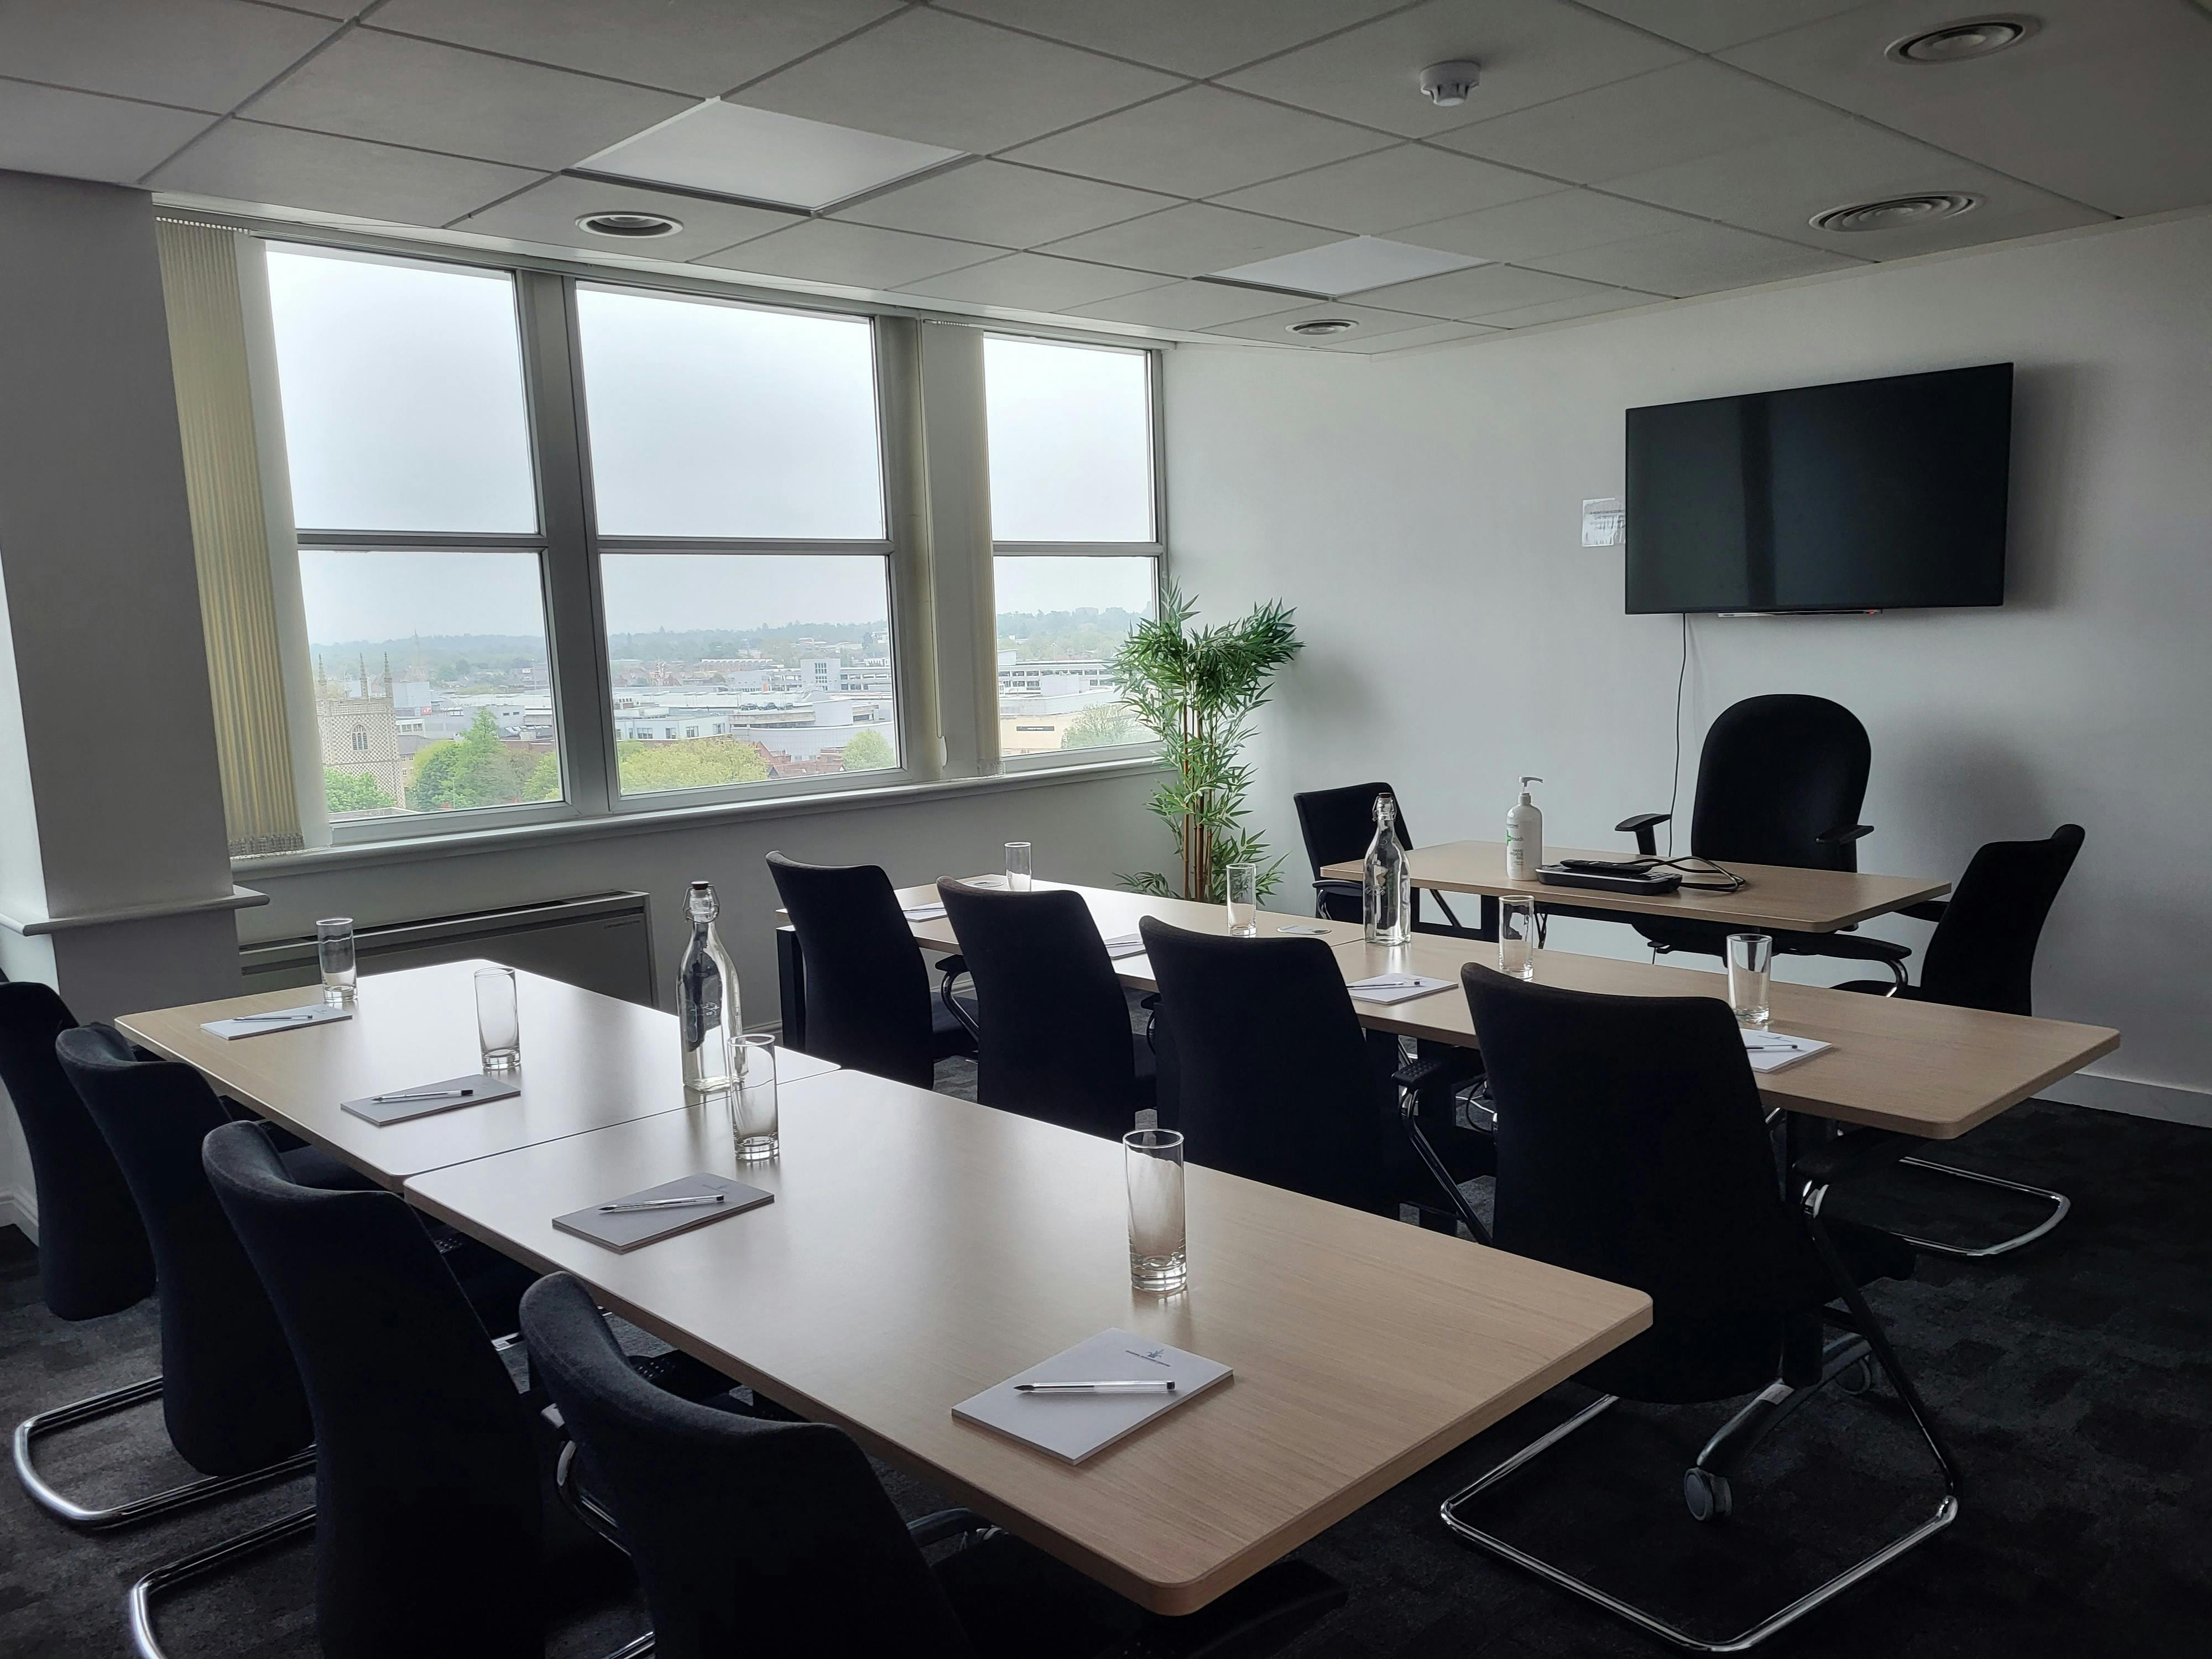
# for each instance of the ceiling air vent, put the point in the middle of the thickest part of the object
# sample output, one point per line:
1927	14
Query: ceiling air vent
630	226
1314	327
1898	212
1955	43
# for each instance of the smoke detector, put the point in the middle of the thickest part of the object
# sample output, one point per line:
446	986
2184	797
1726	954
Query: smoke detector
1898	212
1315	327
630	226
1446	85
1955	43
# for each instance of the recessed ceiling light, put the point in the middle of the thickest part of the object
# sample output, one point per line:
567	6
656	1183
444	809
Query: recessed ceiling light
1898	212
629	225
1955	43
1316	325
745	154
1351	266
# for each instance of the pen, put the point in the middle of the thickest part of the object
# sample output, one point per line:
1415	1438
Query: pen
662	1204
293	1015
1141	1385
425	1094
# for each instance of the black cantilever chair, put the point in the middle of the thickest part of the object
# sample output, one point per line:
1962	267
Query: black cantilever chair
867	995
1780	780
1633	1146
1983	955
1053	1037
775	1538
1337	825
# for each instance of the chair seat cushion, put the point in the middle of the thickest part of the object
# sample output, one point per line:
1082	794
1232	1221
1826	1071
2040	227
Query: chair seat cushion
947	1036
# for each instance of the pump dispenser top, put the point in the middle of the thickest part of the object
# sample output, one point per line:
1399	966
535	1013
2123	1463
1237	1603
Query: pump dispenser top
1524	835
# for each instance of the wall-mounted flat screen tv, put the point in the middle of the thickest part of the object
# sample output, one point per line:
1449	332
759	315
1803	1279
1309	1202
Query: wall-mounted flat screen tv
1873	495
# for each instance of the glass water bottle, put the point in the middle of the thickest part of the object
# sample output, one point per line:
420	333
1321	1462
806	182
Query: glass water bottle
707	1012
1386	895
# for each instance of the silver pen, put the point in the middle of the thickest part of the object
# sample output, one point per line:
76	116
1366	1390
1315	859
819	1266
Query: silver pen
424	1094
663	1204
1138	1385
291	1015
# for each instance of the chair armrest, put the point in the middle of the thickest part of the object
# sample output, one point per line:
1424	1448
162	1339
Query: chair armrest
952	967
1843	833
946	1524
1851	1157
1927	910
1641	826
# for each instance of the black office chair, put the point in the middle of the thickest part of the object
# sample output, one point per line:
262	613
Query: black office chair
867	995
1052	1025
1780	780
1338	824
1633	1146
1982	955
775	1538
1277	1082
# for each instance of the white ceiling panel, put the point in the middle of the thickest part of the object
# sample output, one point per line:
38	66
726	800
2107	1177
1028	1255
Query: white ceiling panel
1362	344
281	167
859	256
1698	259
765	155
997	201
1709	25
1595	302
1200	141
207	54
1373	194
398	91
2110	103
1678	113
1478	294
548	212
1354	265
1192	37
80	135
702	47
1559	223
1036	282
1190	306
1195	239
938	79
1531	51
1373	323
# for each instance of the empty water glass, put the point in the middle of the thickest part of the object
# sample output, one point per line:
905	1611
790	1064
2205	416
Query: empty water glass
1516	937
1017	866
754	1129
1243	890
1750	964
334	950
1154	1160
499	1025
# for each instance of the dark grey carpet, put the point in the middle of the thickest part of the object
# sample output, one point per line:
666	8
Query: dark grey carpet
2075	1379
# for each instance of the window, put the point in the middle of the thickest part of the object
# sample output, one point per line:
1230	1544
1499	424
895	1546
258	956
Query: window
1071	440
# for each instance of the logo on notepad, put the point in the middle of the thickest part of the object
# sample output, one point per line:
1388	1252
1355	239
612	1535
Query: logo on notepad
1151	1354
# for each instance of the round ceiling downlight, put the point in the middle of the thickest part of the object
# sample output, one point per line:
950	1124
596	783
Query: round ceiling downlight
1955	43
1898	212
630	226
1315	327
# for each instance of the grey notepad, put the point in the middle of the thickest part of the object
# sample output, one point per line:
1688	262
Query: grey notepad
1076	1426
277	1019
422	1099
626	1231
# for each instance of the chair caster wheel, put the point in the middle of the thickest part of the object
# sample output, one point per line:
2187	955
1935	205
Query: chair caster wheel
1707	1495
1857	1377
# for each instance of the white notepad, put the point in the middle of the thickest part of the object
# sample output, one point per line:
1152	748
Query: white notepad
1397	987
1076	1426
1125	944
277	1019
922	912
1770	1051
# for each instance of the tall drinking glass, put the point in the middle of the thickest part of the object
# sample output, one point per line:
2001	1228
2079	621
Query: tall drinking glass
754	1127
1516	936
498	1025
1243	889
1017	866
1751	963
1154	1160
334	950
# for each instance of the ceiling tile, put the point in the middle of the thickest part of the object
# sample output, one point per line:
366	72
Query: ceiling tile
1351	266
997	201
1673	114
399	91
1595	302
1372	195
765	155
1195	239
2107	104
929	76
1373	323
1200	141
701	48
1477	295
548	212
1192	37
1558	223
208	54
1698	259
1190	306
1531	50
1362	344
80	135
859	256
1034	281
1709	25
281	167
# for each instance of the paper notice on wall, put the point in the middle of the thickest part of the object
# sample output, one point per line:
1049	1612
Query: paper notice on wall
1602	522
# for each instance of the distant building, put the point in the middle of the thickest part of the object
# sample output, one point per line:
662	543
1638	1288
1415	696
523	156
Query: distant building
360	732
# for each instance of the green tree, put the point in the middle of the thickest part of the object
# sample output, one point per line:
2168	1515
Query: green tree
1101	725
867	751
543	782
693	764
352	792
475	769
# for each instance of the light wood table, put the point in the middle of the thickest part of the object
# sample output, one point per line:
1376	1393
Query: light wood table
1774	896
587	1061
921	1248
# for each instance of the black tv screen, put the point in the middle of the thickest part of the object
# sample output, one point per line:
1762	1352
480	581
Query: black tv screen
1871	496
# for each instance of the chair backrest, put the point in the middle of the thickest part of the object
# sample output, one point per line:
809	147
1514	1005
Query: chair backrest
93	1258
1274	1080
1983	954
1054	1039
1338	823
230	1395
1777	773
748	1536
867	994
1632	1147
427	1526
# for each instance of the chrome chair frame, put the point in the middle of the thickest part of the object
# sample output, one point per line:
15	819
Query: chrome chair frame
2060	1204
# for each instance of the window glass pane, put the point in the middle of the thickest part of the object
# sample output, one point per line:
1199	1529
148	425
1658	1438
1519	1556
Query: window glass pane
1071	442
711	419
736	668
431	686
403	394
1059	622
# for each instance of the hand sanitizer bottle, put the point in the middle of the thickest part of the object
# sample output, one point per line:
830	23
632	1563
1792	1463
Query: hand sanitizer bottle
1386	894
1524	836
707	1013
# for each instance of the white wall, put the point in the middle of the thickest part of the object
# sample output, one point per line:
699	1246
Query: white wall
1423	515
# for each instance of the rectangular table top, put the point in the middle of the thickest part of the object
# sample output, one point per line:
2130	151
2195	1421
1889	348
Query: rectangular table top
1773	895
1117	914
922	1248
587	1061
